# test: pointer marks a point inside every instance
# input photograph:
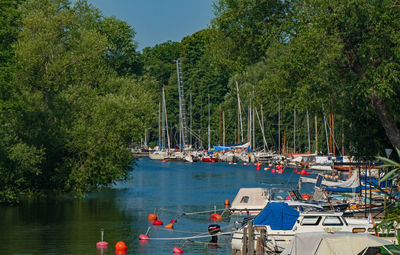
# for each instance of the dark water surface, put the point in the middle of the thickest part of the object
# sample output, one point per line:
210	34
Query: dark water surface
72	226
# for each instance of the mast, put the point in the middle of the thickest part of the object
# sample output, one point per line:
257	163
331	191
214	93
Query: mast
294	131
166	120
219	128
190	111
326	132
159	125
223	129
209	124
182	120
254	130
308	133
240	113
316	134
279	125
262	129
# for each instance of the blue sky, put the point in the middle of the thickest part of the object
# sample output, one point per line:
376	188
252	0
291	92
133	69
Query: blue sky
157	21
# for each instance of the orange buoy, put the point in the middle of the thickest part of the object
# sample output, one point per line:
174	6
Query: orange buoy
306	196
169	226
218	217
157	223
120	246
143	237
152	217
177	250
227	202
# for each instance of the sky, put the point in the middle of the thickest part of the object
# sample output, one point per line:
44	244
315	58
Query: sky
157	21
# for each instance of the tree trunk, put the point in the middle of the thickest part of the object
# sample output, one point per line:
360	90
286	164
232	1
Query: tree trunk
388	123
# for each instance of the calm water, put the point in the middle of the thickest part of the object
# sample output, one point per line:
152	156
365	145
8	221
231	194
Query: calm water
71	226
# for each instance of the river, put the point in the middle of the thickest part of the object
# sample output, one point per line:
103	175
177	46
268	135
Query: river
66	225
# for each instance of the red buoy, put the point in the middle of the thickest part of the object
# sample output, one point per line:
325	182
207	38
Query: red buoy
214	216
307	173
177	250
306	196
303	172
152	217
273	170
174	221
258	168
143	237
157	223
120	246
296	171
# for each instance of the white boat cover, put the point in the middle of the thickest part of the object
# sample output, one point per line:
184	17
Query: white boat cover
322	243
352	182
250	198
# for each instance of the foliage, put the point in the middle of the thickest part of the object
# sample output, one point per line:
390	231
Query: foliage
80	107
392	219
393	165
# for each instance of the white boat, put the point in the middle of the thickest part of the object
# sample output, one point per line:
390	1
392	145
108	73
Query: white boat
282	222
158	155
320	243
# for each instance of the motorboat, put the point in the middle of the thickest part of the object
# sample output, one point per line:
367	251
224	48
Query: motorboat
281	222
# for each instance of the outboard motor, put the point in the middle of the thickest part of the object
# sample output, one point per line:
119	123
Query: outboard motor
212	230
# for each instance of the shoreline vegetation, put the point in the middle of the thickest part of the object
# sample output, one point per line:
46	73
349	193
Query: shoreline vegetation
75	92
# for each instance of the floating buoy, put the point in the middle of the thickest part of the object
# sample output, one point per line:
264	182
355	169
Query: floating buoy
120	246
102	244
303	172
258	168
152	217
218	217
157	223
307	173
296	171
143	237
164	161
273	170
214	216
169	226
288	198
242	164
174	221
227	202
306	196
278	167
280	171
177	250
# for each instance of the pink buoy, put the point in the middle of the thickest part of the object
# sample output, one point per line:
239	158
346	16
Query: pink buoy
102	244
157	223
164	161
143	237
177	250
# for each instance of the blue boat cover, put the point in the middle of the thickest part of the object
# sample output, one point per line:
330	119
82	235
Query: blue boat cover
279	216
